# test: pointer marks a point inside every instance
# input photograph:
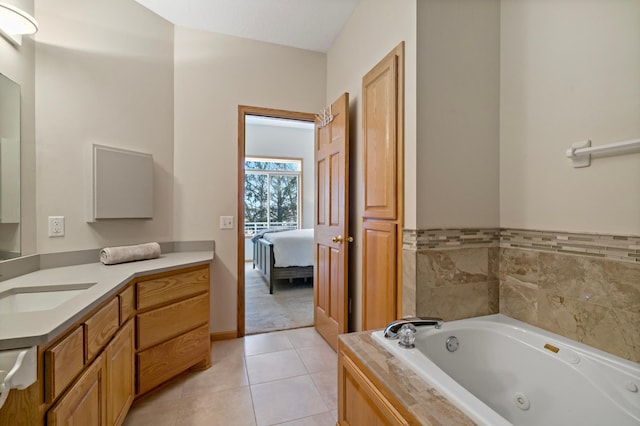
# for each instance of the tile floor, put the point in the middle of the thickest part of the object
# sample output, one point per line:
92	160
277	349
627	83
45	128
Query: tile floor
282	378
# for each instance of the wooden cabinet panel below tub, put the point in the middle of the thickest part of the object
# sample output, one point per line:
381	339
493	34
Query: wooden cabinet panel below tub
101	327
166	288
165	361
63	362
165	323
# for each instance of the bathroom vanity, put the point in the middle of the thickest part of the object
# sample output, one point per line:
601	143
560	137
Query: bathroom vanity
136	326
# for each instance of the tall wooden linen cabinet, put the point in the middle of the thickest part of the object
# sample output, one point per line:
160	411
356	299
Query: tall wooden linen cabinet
383	137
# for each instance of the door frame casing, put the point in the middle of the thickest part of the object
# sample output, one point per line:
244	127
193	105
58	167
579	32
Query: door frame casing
243	111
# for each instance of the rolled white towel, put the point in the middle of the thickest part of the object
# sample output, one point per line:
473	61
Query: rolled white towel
113	255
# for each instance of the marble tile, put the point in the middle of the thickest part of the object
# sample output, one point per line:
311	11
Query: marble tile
319	358
225	373
229	407
455	302
493	296
519	302
439	268
600	281
608	329
266	342
274	366
285	400
518	266
409	281
323	419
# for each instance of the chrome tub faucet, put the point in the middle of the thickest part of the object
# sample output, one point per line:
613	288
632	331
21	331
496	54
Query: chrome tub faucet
392	330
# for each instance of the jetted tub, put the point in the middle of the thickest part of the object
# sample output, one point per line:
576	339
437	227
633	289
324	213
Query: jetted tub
502	372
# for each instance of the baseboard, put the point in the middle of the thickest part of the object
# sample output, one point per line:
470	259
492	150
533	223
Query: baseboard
225	335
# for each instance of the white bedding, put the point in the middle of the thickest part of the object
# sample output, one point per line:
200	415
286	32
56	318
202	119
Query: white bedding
292	248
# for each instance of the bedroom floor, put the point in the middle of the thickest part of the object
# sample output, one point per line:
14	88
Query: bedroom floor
282	378
290	306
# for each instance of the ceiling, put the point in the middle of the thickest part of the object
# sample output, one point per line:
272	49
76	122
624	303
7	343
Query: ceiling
305	24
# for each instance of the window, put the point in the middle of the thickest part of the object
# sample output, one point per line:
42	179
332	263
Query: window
271	193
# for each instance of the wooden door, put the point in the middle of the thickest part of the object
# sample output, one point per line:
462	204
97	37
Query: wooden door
383	213
331	223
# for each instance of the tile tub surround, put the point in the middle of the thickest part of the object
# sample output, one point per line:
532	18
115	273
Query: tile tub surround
594	301
419	397
582	286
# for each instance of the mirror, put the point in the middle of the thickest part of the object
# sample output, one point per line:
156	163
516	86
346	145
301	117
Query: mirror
9	168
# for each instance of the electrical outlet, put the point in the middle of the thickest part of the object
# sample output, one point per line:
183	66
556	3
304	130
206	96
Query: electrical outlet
56	226
226	222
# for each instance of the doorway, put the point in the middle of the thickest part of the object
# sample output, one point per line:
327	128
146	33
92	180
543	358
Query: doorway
279	173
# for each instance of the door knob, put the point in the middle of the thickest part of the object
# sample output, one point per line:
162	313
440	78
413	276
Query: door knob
341	239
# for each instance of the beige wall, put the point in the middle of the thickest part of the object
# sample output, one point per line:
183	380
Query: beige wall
375	28
108	80
458	113
213	75
570	71
18	63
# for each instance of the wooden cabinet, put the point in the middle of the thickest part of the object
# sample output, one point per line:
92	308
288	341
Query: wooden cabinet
85	402
62	363
172	326
383	188
155	328
166	360
162	324
100	327
360	400
120	374
379	242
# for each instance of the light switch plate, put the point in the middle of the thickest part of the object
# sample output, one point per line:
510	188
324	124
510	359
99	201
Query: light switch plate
226	222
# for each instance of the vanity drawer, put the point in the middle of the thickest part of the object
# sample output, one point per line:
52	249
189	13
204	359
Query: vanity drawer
101	327
165	289
165	361
165	323
62	363
127	304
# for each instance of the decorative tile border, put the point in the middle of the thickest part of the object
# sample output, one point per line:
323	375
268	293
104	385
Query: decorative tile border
615	247
421	239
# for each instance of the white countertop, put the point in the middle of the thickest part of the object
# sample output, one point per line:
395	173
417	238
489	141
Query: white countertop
25	329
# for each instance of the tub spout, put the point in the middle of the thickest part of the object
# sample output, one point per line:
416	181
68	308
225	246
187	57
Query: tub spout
391	331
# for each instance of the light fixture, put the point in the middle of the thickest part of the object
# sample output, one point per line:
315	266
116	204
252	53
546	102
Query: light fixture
15	22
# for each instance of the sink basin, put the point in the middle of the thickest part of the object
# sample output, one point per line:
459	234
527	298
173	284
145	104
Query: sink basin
39	298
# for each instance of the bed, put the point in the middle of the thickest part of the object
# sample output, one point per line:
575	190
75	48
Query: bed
283	254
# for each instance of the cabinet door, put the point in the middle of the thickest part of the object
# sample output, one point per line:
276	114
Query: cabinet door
120	375
62	363
360	403
379	269
85	402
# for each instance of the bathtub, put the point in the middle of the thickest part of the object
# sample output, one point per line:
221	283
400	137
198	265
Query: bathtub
506	372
